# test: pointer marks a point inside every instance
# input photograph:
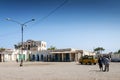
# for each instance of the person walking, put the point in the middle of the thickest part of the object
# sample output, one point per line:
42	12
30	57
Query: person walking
106	63
100	63
17	60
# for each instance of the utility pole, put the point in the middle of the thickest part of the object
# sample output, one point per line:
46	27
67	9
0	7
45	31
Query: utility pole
22	27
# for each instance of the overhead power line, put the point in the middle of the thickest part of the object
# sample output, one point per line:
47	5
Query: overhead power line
51	12
54	10
43	18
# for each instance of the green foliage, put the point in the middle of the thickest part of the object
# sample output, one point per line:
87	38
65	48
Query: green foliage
17	46
52	48
2	49
119	51
99	49
115	52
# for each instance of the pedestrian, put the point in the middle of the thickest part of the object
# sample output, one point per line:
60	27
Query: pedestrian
100	63
106	63
17	60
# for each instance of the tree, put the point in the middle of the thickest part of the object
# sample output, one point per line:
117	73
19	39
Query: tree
99	50
2	49
119	51
52	48
15	46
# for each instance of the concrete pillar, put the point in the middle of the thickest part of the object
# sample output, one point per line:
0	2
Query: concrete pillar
70	56
62	57
2	58
76	57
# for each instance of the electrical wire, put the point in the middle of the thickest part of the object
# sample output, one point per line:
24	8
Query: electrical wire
39	20
50	13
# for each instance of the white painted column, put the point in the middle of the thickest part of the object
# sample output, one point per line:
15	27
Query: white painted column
76	57
62	57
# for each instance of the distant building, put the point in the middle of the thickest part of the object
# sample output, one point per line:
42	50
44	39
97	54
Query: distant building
33	45
115	57
6	55
88	53
29	47
37	51
59	55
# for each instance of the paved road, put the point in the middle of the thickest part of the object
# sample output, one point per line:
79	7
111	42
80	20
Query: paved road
56	71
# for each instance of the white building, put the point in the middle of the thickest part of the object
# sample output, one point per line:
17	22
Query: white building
88	53
42	46
30	47
33	45
6	55
115	57
59	55
37	51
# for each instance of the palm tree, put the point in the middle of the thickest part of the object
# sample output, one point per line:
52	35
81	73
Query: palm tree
99	50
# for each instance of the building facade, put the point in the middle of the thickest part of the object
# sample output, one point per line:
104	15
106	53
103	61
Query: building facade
37	51
6	55
59	55
29	47
115	57
33	45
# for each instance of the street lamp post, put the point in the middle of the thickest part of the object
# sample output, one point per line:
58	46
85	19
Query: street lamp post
22	27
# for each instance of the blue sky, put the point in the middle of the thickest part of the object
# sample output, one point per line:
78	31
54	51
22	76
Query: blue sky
80	24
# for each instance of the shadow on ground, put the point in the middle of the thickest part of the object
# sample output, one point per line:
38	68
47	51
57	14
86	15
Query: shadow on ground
95	71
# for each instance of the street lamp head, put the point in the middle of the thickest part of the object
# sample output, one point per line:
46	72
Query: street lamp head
33	19
8	19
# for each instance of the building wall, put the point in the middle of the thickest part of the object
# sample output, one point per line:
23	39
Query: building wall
40	56
115	56
88	53
6	55
59	55
31	48
42	46
33	45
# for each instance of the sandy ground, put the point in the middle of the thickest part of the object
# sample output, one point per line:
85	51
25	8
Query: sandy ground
56	71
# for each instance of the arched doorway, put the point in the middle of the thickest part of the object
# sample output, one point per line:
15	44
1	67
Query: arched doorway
33	57
38	57
56	57
67	57
41	57
29	58
49	58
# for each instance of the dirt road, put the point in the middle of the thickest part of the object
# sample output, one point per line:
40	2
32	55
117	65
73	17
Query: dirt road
56	71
